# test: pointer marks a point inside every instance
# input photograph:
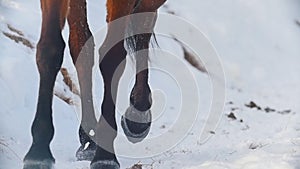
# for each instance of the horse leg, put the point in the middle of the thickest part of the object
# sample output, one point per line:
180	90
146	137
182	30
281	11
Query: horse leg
112	64
81	44
49	58
136	121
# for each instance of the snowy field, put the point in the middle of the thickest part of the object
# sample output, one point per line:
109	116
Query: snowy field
258	42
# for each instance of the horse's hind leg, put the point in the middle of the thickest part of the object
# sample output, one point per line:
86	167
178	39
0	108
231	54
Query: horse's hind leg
81	44
137	119
49	58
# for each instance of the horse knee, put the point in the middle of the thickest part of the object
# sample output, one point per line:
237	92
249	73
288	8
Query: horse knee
112	59
49	55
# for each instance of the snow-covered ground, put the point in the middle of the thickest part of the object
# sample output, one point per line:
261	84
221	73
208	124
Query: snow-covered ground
259	45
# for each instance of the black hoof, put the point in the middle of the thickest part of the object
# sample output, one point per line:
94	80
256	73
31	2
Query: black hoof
38	157
105	164
136	124
32	164
86	153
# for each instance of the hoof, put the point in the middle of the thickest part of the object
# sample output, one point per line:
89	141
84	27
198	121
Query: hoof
86	154
45	164
136	124
105	164
39	157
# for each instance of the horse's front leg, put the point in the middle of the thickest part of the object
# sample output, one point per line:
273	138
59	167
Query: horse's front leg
81	44
112	66
112	63
49	58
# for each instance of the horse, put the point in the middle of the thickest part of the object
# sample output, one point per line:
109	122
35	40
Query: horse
96	147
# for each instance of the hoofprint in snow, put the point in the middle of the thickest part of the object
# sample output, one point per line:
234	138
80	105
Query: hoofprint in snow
258	43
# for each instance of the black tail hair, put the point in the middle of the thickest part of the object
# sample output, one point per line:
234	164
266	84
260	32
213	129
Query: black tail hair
133	38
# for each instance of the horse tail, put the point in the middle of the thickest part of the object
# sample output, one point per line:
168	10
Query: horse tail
140	31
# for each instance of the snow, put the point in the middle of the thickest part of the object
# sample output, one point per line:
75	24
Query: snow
258	43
